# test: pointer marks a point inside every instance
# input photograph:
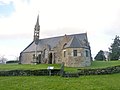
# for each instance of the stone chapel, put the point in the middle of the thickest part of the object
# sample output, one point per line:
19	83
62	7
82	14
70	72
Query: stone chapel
74	50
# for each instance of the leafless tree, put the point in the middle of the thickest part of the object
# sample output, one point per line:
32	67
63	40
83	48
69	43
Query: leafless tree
3	60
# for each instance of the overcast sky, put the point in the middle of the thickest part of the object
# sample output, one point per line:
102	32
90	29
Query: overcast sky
99	18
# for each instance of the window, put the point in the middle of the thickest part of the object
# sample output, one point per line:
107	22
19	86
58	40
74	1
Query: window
86	53
74	52
33	56
64	53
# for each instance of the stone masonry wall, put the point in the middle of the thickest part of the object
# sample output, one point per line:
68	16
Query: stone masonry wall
58	49
26	58
76	61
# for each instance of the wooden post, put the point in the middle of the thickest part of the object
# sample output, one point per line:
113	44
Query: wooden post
62	69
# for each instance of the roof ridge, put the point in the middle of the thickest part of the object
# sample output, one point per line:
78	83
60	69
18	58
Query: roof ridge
62	36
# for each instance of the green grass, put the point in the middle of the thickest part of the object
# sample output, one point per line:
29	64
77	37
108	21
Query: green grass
95	64
103	64
27	66
93	82
96	82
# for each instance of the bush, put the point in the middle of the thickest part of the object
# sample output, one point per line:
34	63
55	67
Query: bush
12	62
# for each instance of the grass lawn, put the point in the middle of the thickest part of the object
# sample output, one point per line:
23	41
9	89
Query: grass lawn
96	82
95	64
27	66
103	64
92	82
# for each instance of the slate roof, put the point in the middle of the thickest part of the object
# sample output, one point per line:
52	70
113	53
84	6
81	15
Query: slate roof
75	42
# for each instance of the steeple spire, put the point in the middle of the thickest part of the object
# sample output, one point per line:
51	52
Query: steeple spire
36	31
37	23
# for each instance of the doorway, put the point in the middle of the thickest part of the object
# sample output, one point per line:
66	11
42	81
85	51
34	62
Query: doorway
50	58
39	58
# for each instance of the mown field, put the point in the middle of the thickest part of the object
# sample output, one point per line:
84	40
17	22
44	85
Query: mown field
92	82
96	82
26	66
95	64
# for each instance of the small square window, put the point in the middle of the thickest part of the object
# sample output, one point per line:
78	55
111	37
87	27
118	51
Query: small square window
74	52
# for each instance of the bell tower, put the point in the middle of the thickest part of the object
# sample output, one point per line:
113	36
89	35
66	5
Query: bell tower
36	39
36	31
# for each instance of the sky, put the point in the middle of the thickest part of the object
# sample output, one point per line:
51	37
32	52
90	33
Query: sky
99	18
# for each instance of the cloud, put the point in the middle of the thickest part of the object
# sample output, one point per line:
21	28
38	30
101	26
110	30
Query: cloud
6	9
99	18
4	2
16	36
16	29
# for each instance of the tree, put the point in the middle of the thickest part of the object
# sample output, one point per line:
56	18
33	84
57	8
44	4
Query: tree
3	60
100	56
115	49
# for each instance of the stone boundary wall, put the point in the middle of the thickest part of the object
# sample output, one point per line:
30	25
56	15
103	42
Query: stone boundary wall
100	71
41	72
46	72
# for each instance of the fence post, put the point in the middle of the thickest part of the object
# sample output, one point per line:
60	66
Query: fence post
62	69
